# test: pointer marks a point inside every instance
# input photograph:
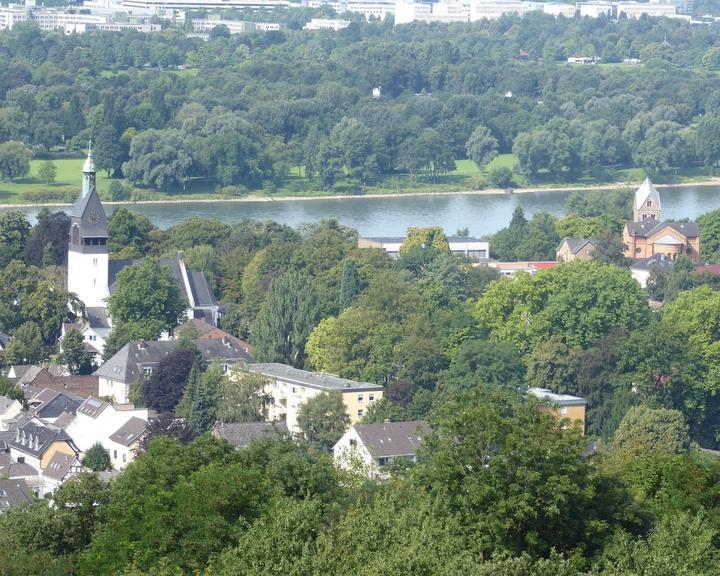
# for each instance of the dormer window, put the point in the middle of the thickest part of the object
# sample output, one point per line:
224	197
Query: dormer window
649	203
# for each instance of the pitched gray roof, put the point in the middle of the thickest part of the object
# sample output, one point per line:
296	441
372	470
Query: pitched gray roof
6	403
97	317
4	340
130	431
92	407
241	434
54	403
64	420
59	466
80	214
202	295
33	438
14	493
577	244
659	261
126	365
650	227
320	381
392	439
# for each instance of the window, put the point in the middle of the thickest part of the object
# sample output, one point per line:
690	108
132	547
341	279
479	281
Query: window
383	461
92	337
94	282
361	413
21	459
563	411
147	370
124	457
361	398
94	261
115	454
371	397
649	203
637	250
294	390
353	442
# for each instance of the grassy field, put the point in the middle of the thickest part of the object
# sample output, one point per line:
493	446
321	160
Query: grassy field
466	176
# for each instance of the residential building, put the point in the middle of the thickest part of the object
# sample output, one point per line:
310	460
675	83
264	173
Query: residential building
10	412
647	236
83	27
124	444
370	447
326	24
48	19
59	470
562	406
207	331
150	6
641	269
56	378
571	249
140	359
9	16
595	9
48	405
566	10
469	247
290	387
35	443
14	493
581	60
638	9
96	421
234	26
480	9
411	11
241	434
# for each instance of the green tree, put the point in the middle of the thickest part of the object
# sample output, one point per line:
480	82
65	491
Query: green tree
108	151
707	141
9	389
14	231
242	396
26	346
645	430
47	172
481	147
578	302
500	177
159	159
51	230
430	237
285	320
14	160
202	392
164	389
147	294
129	230
553	365
97	458
709	224
349	283
323	419
73	353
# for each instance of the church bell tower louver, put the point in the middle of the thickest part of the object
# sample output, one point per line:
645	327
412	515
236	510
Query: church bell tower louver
87	248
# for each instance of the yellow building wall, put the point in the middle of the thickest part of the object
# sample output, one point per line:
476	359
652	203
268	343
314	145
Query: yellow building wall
353	404
62	447
572	413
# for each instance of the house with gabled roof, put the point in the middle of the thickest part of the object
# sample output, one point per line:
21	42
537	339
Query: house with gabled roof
571	249
14	493
369	448
36	442
647	236
242	434
10	411
140	359
96	420
124	444
60	468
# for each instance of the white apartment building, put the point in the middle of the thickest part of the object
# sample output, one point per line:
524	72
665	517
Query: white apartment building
636	10
566	10
52	20
370	9
406	12
152	6
110	27
480	10
11	16
234	26
595	9
326	24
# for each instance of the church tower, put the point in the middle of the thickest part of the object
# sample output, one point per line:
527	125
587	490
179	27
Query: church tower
87	248
647	203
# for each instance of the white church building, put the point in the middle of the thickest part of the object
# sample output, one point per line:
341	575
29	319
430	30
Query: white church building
91	274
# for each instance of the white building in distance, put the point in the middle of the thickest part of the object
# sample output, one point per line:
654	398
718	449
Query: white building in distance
326	24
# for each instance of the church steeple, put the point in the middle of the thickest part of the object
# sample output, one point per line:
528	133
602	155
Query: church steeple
88	172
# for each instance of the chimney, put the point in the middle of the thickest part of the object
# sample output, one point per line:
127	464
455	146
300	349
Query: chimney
141	344
37	442
17	435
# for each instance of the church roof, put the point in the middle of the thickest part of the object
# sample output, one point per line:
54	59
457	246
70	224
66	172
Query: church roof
648	228
647	190
89	211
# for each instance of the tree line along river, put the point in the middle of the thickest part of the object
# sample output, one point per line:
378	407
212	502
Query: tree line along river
481	214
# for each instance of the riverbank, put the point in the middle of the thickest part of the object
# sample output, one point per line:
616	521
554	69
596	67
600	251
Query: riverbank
375	196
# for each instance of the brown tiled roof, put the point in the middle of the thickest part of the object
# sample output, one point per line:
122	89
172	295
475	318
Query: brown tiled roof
81	385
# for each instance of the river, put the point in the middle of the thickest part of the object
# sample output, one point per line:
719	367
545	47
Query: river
391	216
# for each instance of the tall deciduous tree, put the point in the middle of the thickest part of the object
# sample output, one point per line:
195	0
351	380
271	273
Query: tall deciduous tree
242	396
349	284
481	147
323	419
97	458
147	293
164	389
48	239
47	172
26	346
14	231
14	160
286	318
73	353
159	158
128	230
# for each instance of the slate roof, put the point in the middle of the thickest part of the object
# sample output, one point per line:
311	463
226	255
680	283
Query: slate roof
559	399
241	434
59	466
97	317
81	211
4	340
202	295
656	261
51	403
319	381
130	431
20	470
649	227
34	438
576	244
647	189
6	403
64	420
126	365
92	407
13	493
392	439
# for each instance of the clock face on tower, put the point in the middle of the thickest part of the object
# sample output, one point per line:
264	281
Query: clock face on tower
94	217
